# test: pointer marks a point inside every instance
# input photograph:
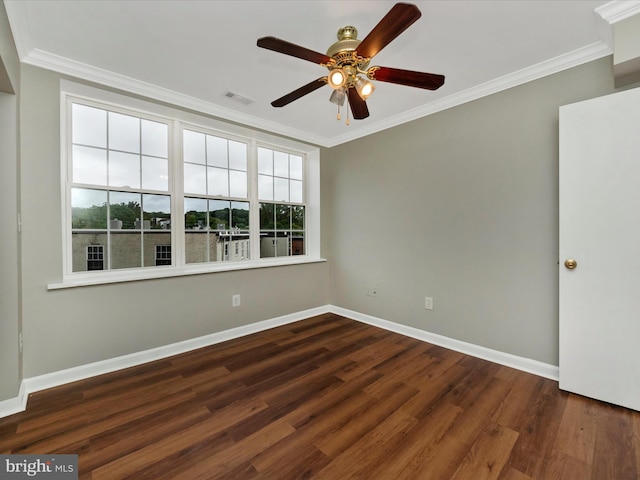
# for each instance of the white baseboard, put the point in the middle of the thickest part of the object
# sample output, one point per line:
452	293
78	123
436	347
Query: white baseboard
54	379
61	377
519	363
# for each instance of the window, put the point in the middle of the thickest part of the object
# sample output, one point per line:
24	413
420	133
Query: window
163	254
147	187
215	172
95	257
120	188
280	190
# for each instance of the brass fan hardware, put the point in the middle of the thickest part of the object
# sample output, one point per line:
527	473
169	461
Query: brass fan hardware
348	60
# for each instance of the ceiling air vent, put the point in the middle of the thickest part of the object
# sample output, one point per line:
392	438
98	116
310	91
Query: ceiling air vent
239	98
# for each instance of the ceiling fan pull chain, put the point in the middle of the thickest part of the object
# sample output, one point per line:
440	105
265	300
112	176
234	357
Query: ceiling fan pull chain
348	108
338	112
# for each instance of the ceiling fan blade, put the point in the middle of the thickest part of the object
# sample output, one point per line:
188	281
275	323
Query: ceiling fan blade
300	92
357	104
288	48
396	21
429	81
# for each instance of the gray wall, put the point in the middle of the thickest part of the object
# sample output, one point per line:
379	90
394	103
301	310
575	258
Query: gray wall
461	206
9	245
71	327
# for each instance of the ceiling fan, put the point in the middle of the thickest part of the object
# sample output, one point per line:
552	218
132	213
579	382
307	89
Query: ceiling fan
348	62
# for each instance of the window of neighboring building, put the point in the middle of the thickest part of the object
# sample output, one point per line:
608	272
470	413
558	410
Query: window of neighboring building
163	255
95	257
134	201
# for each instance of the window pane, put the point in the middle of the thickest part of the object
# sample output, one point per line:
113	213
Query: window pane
89	165
161	251
126	249
157	248
193	145
88	208
267	216
124	170
155	173
237	155
265	161
89	251
280	164
281	189
240	215
124	133
195	217
297	218
196	246
89	126
283	217
218	179
124	211
219	214
297	243
237	184
265	187
268	245
156	211
217	152
295	167
295	189
195	180
155	139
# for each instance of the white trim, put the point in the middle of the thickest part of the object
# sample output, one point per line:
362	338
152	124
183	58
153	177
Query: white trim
519	363
54	379
549	67
611	12
71	91
16	404
616	11
61	377
65	66
137	274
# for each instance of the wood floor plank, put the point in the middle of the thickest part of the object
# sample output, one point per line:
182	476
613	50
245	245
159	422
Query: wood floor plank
614	425
576	435
327	397
420	446
365	456
488	455
364	422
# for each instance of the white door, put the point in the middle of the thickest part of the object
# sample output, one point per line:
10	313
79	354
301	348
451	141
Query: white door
600	230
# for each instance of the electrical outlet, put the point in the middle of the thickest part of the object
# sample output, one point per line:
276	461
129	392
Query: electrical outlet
371	291
428	303
235	300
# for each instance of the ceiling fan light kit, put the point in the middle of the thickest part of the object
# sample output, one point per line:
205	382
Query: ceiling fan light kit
348	63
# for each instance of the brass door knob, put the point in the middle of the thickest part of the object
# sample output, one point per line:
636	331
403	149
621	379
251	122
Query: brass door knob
570	263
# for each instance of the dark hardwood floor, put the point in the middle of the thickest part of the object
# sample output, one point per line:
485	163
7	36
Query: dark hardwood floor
327	398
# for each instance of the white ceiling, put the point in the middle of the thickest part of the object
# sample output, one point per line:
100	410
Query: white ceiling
191	53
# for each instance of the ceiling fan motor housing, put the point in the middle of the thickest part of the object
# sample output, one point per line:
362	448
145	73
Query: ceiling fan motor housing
342	50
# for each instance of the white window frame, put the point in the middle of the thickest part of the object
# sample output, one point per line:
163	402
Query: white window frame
70	91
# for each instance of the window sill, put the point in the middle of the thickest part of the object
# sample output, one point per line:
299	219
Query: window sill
134	275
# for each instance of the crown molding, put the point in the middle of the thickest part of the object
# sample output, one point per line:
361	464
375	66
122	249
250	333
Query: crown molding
100	76
618	10
56	63
609	13
555	65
